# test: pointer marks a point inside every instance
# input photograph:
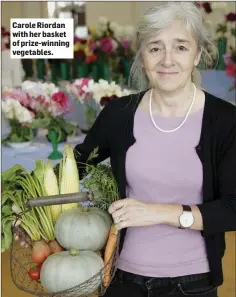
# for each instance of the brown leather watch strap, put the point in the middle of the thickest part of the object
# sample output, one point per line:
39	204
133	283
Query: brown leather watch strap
186	208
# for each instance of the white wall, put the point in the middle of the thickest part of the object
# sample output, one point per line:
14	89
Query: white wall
120	12
20	9
124	13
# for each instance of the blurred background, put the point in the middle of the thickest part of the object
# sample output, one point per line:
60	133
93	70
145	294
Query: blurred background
103	52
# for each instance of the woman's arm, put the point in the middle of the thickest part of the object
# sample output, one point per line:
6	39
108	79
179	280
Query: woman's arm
220	215
170	214
132	212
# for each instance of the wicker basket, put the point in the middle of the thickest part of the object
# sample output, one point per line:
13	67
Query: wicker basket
21	260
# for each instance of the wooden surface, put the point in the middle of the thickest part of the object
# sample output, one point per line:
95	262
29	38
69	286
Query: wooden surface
227	290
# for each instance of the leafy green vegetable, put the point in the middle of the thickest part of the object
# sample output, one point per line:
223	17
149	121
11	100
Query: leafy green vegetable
39	171
6	233
10	174
18	185
100	180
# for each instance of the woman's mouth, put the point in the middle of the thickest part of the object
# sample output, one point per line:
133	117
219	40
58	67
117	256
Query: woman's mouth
167	73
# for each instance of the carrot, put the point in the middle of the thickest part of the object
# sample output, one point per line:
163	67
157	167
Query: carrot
109	250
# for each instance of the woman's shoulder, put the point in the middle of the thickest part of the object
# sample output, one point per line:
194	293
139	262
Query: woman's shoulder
125	103
220	107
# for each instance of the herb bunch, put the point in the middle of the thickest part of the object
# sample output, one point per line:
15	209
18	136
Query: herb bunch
100	181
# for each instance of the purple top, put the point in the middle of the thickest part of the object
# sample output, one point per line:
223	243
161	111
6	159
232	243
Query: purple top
171	173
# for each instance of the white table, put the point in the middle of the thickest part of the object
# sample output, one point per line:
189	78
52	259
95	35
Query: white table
38	150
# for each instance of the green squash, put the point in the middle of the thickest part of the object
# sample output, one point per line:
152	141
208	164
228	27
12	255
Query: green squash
85	228
66	270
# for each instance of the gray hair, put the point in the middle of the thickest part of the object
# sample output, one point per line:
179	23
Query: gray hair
159	17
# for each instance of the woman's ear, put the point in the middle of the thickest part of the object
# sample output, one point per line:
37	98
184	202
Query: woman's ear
198	58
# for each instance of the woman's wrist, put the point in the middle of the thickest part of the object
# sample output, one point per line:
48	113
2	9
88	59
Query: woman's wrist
168	214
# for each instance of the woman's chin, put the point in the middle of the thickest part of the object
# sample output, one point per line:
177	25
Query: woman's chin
167	87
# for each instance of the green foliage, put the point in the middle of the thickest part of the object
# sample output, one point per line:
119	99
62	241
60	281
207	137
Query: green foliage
19	133
58	124
233	31
101	182
90	115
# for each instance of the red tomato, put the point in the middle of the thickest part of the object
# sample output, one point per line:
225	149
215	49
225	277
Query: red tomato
34	272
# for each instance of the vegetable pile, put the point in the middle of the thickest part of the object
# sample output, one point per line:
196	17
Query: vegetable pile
64	238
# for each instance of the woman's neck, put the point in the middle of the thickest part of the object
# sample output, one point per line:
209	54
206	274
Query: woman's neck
173	104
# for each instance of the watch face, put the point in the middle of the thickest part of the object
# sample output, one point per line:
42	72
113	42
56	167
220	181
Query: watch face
186	219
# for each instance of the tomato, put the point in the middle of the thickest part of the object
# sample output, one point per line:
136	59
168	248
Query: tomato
34	272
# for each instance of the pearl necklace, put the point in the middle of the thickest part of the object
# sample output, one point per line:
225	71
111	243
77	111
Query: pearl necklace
185	119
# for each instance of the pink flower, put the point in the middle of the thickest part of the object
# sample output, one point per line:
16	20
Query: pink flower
46	104
32	114
7	93
22	97
106	45
40	99
93	47
227	58
60	98
125	43
78	86
231	69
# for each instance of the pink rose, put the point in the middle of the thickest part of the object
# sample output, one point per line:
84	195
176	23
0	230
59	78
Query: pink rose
231	69
60	98
106	45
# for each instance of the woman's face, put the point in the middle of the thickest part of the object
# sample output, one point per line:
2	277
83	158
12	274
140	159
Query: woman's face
169	57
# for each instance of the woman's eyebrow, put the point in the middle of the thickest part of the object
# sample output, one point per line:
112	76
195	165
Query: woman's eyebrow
180	40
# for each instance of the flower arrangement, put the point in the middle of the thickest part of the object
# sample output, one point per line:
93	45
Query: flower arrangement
36	105
224	30
17	110
50	105
94	95
107	47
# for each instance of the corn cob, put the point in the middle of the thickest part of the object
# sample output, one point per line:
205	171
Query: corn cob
51	187
69	176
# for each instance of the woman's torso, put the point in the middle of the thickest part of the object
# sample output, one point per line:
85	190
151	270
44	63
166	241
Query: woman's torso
164	168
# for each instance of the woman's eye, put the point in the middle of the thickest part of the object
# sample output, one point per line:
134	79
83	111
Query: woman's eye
182	48
155	49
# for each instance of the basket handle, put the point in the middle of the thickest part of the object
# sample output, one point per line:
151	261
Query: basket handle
59	199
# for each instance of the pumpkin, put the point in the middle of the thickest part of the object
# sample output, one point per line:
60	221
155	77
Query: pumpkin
85	228
66	270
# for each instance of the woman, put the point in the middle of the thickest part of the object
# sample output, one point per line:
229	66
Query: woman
173	153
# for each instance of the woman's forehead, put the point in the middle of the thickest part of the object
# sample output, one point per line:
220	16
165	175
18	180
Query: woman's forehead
176	32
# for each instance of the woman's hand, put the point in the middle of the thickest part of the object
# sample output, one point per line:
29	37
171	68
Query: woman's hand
132	212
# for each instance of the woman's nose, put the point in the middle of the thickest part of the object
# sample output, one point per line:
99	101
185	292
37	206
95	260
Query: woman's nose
167	58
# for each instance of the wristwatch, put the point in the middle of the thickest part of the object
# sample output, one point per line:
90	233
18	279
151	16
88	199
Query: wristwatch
186	219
